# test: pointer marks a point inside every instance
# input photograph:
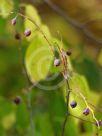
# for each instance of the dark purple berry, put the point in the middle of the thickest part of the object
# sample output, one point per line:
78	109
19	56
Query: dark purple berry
57	62
17	100
13	21
17	36
27	32
99	123
86	111
73	104
68	53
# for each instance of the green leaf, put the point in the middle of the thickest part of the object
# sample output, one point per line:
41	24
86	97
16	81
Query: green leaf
71	125
78	81
38	58
7	115
57	43
8	121
6	6
79	84
22	117
6	108
88	68
43	125
2	131
32	13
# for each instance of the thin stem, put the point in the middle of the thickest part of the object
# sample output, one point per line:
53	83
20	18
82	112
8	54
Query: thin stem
30	112
95	107
37	26
28	90
67	105
74	23
82	119
64	125
84	99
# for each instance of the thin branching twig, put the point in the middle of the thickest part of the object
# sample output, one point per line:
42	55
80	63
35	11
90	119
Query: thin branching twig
81	27
66	77
67	105
29	89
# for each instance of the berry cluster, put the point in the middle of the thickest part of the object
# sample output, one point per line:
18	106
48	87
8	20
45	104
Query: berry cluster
73	103
27	32
86	111
57	62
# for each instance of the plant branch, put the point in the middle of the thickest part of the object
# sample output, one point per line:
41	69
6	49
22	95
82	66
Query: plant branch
67	105
39	29
82	119
84	99
28	90
81	27
30	112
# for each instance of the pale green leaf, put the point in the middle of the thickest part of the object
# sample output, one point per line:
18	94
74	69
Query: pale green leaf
78	83
38	58
6	6
32	13
8	121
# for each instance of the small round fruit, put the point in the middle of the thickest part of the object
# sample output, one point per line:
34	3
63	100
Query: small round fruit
17	100
13	21
86	111
17	36
99	123
57	62
27	32
73	104
69	53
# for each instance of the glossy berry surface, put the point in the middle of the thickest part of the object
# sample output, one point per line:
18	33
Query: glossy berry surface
86	111
73	104
17	100
57	62
13	21
27	32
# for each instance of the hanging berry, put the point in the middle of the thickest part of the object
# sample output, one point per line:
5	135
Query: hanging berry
86	111
27	32
17	100
13	21
73	104
68	53
57	62
17	36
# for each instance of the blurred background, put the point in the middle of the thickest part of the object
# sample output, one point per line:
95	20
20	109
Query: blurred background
79	23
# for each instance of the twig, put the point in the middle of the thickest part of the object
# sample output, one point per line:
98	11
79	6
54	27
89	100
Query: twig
84	99
67	105
28	90
37	26
30	112
66	81
67	110
74	23
97	108
82	119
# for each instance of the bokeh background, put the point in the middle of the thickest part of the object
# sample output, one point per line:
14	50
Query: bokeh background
79	24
